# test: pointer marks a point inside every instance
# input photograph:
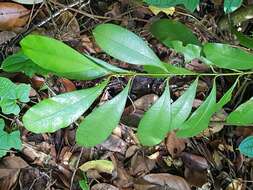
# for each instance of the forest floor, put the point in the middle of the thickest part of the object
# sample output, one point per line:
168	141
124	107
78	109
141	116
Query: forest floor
51	161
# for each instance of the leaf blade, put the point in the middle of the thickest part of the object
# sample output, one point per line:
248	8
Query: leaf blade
103	119
60	111
154	125
200	118
45	51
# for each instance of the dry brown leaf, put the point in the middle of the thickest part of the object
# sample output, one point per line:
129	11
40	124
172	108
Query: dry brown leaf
103	186
161	181
174	145
141	165
12	15
9	171
6	36
115	144
195	178
67	85
194	162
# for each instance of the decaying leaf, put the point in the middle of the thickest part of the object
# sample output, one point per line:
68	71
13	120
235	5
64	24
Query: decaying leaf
103	166
161	181
104	186
175	145
12	15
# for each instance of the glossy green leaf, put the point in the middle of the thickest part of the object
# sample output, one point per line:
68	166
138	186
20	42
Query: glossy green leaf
246	146
10	94
226	97
231	5
57	57
98	125
167	30
20	63
60	111
155	123
228	57
182	107
189	4
171	69
242	115
189	51
125	45
200	118
244	40
8	141
107	66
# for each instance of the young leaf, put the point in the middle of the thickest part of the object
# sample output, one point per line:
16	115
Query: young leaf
60	111
8	141
20	63
98	125
125	45
231	5
246	146
156	121
182	107
189	4
10	93
167	31
225	56
57	57
242	115
200	118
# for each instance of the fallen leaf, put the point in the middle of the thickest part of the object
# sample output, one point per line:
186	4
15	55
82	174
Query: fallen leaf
103	186
29	2
6	36
67	85
12	15
161	181
157	10
174	145
103	166
194	162
115	144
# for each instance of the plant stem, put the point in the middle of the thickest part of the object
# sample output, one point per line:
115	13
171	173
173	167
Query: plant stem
163	75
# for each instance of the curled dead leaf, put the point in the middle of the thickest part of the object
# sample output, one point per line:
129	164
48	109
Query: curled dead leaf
104	166
12	15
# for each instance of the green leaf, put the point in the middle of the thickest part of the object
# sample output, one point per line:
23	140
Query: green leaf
226	97
167	30
125	45
243	39
171	69
189	51
60	111
199	120
228	57
106	65
231	5
182	107
98	125
246	146
189	4
242	115
57	57
20	63
155	123
8	141
10	94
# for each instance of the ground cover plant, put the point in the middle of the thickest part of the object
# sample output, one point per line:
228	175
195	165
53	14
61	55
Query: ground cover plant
92	114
